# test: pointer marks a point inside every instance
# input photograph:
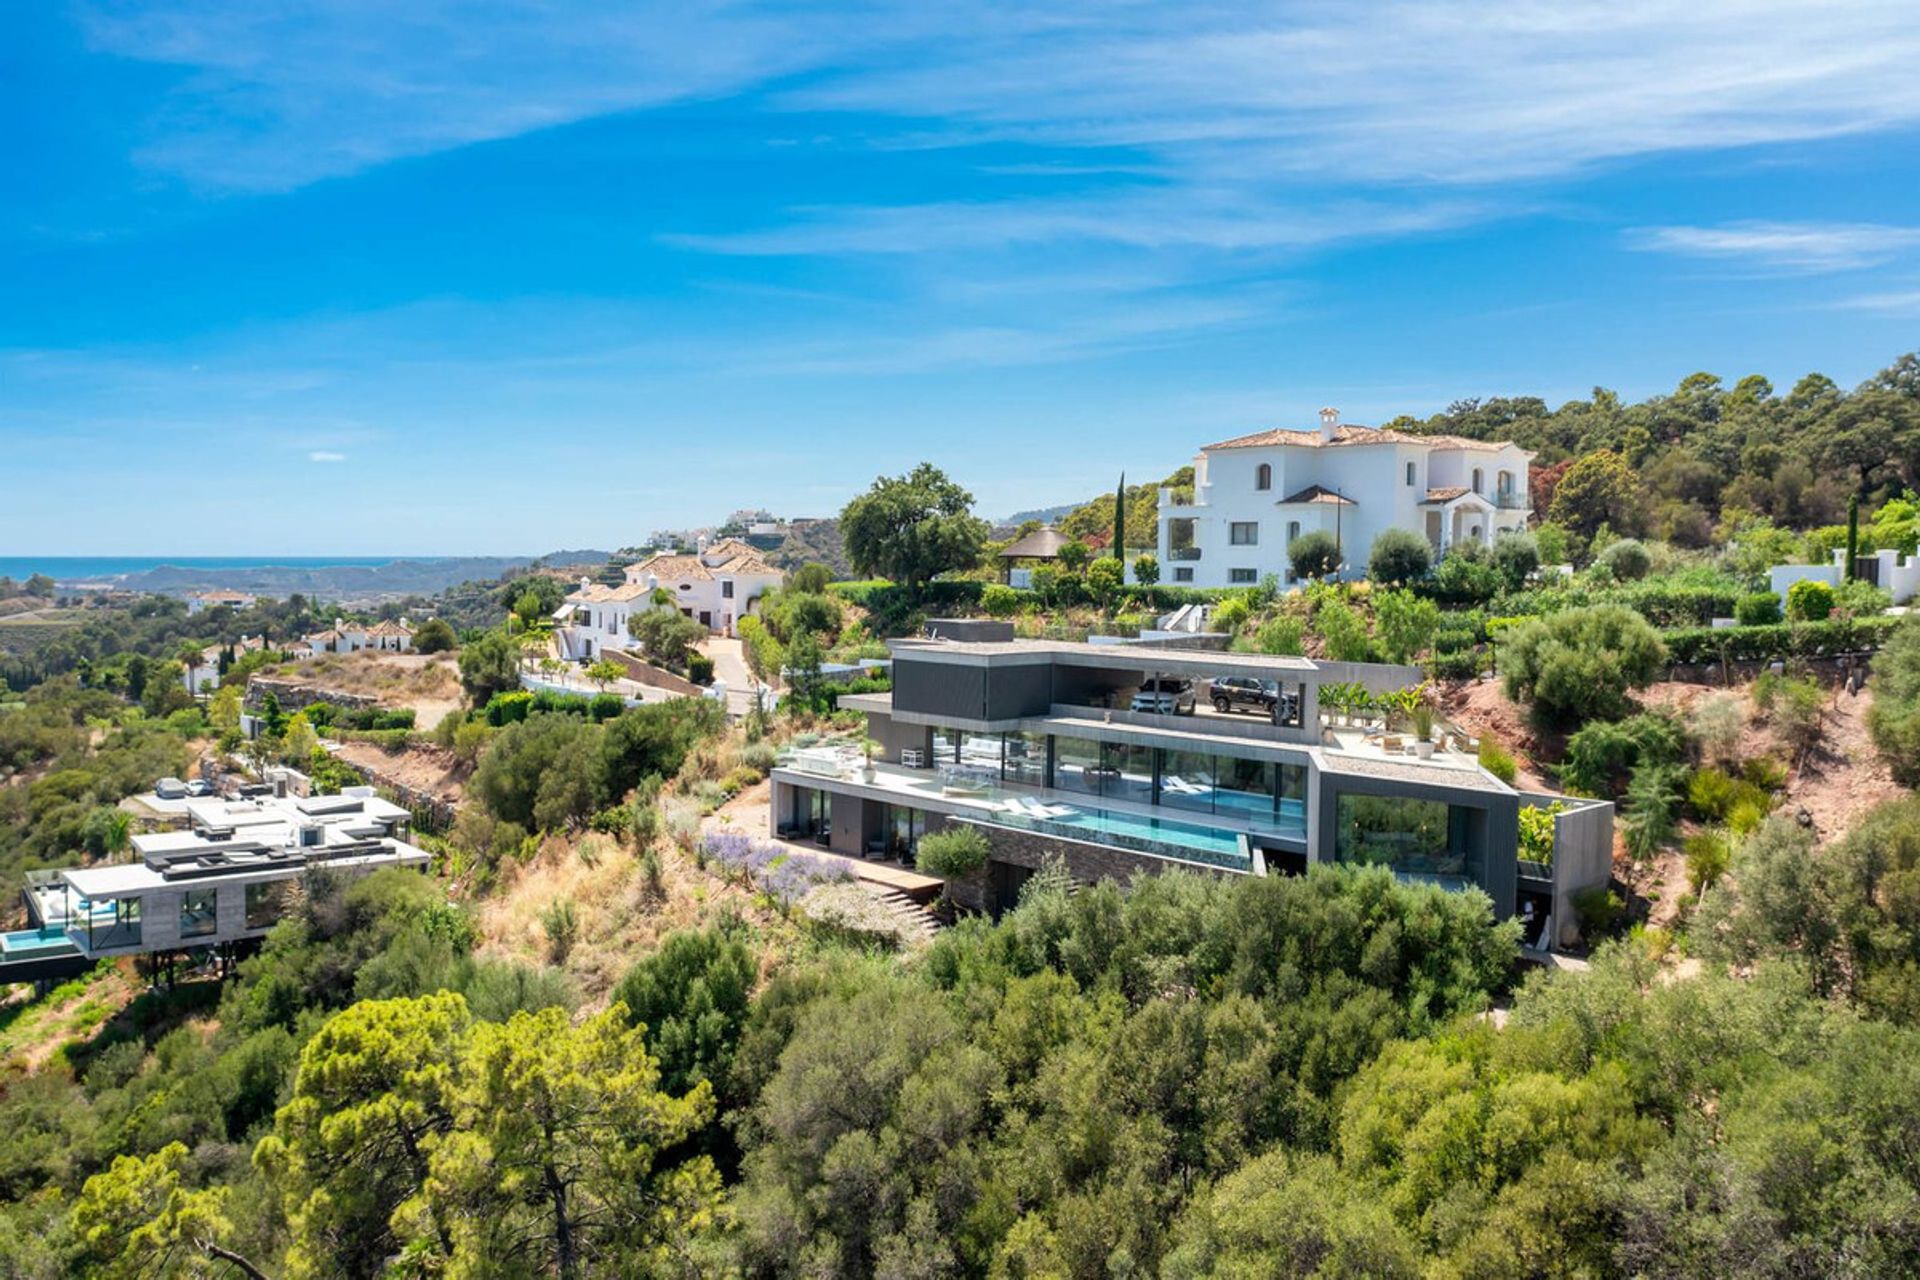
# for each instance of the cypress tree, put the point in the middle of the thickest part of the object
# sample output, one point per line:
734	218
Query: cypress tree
1853	536
1120	519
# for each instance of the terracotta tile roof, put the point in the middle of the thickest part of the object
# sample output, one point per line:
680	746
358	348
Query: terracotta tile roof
1447	494
1317	495
669	568
390	629
599	593
1349	433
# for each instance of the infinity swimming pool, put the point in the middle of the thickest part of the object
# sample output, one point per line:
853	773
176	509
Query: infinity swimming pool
21	944
1162	837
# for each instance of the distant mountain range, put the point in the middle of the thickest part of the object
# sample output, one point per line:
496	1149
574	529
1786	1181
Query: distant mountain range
1045	515
344	583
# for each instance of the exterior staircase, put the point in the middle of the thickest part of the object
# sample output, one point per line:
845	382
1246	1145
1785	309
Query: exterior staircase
918	924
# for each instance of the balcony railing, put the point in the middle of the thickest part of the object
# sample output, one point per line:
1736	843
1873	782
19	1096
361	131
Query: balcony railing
1184	553
1510	500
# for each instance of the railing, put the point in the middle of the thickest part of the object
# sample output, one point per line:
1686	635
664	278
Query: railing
1249	727
1184	553
1236	860
1509	500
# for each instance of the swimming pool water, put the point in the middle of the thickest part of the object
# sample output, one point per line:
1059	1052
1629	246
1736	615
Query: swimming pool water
25	942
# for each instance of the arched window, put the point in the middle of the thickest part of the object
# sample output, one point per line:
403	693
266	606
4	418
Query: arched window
1263	477
1409	475
1293	531
1479	480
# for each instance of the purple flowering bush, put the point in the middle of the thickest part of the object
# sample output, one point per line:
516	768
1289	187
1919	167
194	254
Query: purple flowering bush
784	875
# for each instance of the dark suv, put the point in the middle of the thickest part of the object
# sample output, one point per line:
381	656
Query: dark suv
1238	693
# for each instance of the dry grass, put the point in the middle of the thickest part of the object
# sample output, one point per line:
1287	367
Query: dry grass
621	916
397	679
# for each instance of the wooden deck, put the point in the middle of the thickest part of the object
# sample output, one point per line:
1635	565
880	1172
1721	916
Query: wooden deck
884	875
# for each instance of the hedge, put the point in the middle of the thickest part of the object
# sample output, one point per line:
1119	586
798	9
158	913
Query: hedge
948	593
1658	603
1783	640
389	739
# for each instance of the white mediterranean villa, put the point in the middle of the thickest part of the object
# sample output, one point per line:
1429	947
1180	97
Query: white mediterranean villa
1253	495
715	586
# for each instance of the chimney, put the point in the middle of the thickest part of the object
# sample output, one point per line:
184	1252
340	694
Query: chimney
585	582
1329	423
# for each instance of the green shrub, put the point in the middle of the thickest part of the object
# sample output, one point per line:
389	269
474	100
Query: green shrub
1497	761
1809	601
1601	755
1399	556
509	708
1597	908
1313	555
1464	665
699	668
1761	609
1579	665
953	854
1282	635
1894	720
1711	794
1765	643
999	600
1343	631
1627	560
1517	557
1708	856
1230	614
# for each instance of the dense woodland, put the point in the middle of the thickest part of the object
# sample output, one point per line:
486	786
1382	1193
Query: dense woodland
1329	1075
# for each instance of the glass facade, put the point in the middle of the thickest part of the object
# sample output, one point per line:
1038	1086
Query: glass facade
197	913
1427	840
1251	793
1025	760
266	903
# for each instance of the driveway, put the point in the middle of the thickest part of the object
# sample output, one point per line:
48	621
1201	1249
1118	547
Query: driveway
730	665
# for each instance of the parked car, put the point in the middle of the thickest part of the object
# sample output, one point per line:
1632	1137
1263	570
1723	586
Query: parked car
1167	696
1241	693
170	789
199	787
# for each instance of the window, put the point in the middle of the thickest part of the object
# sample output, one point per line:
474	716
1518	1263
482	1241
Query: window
1183	573
1244	533
1479	480
1263	477
266	903
1076	765
1410	467
1243	576
1025	762
197	916
1427	839
1293	531
726	589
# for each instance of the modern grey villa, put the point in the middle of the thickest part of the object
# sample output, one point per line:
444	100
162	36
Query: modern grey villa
227	879
1127	757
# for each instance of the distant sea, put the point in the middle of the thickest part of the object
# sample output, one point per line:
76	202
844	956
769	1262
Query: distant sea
66	569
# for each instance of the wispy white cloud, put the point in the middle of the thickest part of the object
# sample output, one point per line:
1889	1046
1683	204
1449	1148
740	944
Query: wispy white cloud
1437	90
1214	219
1781	246
326	455
1895	302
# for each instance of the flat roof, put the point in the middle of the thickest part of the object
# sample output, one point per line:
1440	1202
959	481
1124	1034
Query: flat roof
1084	654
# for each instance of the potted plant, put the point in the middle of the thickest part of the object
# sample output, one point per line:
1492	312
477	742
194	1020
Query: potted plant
867	748
1422	717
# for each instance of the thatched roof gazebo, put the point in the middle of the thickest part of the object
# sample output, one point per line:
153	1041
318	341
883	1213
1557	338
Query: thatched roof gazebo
1043	543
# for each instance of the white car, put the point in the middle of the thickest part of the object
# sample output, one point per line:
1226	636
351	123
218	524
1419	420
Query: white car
1166	696
170	789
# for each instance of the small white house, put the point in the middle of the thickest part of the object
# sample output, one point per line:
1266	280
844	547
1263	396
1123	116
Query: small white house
1896	574
353	637
201	601
1254	494
203	675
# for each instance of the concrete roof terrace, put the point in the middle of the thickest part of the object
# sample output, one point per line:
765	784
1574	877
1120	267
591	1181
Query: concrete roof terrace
1146	656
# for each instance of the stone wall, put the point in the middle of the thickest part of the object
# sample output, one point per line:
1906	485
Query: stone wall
294	695
1084	861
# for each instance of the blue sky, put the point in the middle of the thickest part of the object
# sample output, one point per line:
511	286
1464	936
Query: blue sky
315	278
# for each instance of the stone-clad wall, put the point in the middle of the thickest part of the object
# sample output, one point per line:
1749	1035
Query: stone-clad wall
1084	861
